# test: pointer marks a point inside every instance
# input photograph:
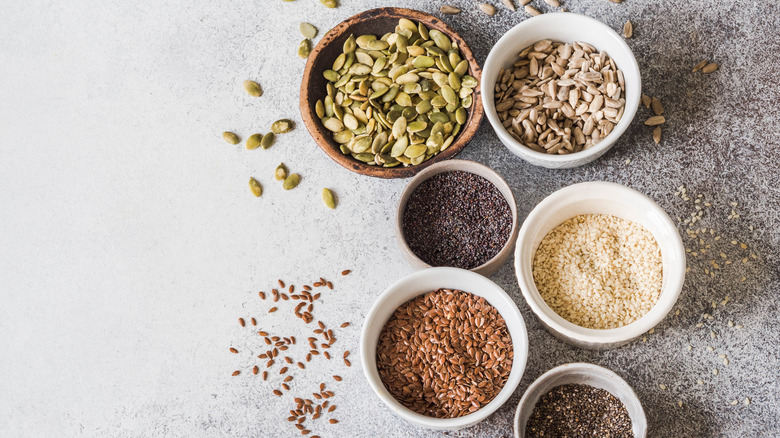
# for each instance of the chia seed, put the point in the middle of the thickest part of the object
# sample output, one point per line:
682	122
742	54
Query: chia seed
579	411
456	219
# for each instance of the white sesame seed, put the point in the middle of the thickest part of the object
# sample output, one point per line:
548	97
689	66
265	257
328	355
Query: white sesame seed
709	348
738	326
731	323
725	361
734	402
747	401
700	381
662	386
712	334
714	371
679	403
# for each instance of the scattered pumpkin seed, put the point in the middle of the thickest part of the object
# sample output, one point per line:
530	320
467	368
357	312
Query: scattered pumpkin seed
281	172
254	141
255	187
282	126
291	181
231	137
268	140
405	89
253	88
449	10
328	199
304	48
329	3
307	30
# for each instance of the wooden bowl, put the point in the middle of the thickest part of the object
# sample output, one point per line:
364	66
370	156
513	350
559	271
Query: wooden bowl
313	87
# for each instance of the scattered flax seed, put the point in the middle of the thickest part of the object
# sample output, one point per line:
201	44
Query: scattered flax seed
281	283
332	408
254	321
337	378
242	322
277	392
699	66
347	362
255	370
326	354
344	325
236	372
345	272
262	295
333	421
272	309
233	350
288	378
346	353
301	365
265	375
330	285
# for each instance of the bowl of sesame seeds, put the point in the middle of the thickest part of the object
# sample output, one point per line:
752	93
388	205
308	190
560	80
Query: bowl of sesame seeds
444	348
599	264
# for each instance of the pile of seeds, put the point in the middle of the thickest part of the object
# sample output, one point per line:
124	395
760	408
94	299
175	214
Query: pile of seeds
657	119
456	219
398	99
575	410
445	354
560	98
599	271
278	350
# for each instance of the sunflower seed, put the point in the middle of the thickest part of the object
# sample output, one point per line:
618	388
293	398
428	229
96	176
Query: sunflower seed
255	187
646	101
488	9
657	107
253	88
231	137
328	199
628	29
307	30
510	4
655	121
531	10
254	141
291	181
699	66
449	10
553	3
657	135
709	68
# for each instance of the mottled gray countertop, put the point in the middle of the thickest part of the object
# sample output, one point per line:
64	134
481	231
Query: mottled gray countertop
129	244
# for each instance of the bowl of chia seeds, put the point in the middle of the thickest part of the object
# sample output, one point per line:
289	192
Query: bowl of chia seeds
457	213
580	399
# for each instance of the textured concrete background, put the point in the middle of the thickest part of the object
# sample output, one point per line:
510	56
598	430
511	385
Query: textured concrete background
129	243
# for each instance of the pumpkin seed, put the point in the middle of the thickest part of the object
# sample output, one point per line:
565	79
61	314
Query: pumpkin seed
399	98
253	88
255	187
254	141
329	3
307	30
304	48
282	126
328	199
268	140
231	137
281	172
291	181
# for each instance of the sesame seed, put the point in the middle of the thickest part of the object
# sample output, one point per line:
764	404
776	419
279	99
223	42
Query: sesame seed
662	386
700	381
714	371
747	401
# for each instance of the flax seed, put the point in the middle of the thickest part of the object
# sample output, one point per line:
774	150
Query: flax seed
235	373
242	322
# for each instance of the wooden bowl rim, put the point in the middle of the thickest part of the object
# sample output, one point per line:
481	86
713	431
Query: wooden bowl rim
476	112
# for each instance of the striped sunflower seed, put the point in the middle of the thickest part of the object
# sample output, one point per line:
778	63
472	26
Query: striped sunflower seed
449	10
655	121
531	10
709	68
488	9
699	66
628	29
510	4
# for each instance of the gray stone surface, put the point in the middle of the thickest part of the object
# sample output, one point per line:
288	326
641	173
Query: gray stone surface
130	244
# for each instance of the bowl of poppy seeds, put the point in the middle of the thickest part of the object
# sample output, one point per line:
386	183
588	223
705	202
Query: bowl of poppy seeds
580	400
457	213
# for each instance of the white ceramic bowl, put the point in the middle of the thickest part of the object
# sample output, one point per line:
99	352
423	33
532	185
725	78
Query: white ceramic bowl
581	373
428	280
565	27
490	266
600	198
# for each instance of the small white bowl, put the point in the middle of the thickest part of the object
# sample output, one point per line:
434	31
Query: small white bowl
565	27
428	280
490	266
587	374
600	198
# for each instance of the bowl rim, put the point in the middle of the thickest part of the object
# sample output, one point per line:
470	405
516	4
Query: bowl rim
465	166
475	114
586	368
520	349
670	289
581	157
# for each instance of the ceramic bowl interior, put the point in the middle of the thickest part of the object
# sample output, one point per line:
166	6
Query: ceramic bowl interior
428	280
587	374
565	27
313	86
490	266
600	198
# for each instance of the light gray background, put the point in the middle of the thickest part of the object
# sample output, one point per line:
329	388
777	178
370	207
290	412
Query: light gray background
129	243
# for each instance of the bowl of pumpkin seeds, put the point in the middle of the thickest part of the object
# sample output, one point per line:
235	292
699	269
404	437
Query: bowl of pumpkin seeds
390	91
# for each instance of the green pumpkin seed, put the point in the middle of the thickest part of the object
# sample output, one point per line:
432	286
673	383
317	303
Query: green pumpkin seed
291	181
454	81
328	199
331	75
462	68
255	187
253	88
282	126
467	101
231	137
254	140
360	144
333	124
460	115
468	81
350	45
364	157
399	127
304	48
307	30
329	3
416	126
280	173
268	140
319	108
415	150
441	40
449	94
